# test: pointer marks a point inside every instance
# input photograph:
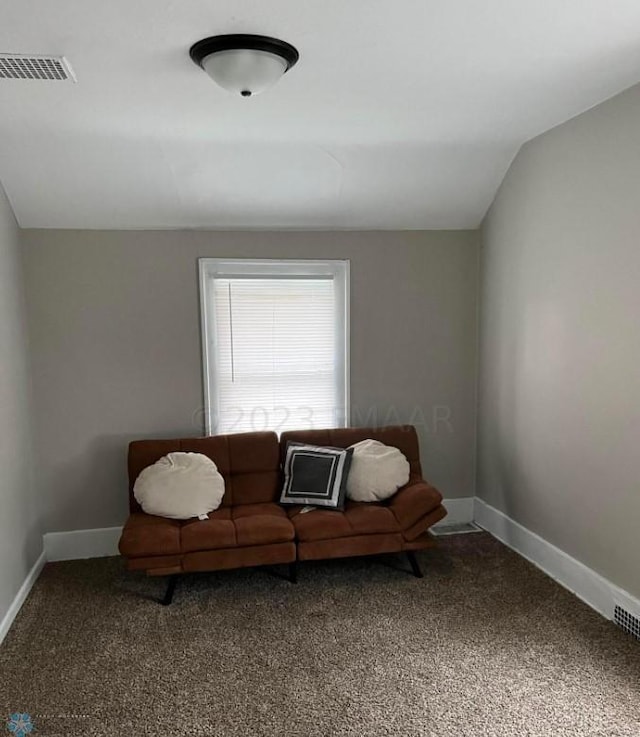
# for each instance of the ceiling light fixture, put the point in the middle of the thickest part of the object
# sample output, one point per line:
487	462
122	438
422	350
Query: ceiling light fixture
243	63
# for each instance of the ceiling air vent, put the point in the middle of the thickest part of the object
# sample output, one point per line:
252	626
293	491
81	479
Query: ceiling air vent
25	66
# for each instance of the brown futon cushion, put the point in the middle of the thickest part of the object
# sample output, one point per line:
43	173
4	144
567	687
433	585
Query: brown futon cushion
241	526
146	534
356	519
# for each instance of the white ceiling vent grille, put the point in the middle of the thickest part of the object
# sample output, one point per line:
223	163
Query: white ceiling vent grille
23	66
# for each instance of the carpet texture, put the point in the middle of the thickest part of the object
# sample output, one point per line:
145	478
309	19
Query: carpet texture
485	644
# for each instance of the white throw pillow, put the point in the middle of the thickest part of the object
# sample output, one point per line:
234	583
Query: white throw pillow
180	486
377	471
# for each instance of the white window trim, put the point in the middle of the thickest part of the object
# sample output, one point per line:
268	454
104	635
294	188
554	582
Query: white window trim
209	268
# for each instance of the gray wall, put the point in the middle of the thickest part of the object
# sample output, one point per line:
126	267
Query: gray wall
559	393
20	534
114	321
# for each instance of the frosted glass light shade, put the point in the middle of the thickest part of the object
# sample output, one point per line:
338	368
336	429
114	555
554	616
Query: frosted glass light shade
244	72
243	63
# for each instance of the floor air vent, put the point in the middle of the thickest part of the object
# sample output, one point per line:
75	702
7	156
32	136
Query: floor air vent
21	66
627	622
462	528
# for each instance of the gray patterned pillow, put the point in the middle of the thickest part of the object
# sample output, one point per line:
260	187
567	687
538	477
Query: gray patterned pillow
315	476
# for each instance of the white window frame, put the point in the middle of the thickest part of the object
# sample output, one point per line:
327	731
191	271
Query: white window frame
210	268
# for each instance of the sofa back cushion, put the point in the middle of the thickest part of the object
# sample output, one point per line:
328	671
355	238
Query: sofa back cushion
249	463
403	437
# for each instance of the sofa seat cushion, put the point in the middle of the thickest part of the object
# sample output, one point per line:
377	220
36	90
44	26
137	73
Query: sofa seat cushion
208	534
148	535
261	524
356	519
263	509
242	526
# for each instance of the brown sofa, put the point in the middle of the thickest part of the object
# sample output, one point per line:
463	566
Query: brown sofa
251	529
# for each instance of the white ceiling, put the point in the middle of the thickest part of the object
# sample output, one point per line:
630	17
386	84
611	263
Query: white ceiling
399	114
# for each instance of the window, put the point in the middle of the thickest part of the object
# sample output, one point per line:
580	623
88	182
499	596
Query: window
275	344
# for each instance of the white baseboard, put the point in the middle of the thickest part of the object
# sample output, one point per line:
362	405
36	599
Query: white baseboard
21	596
585	583
459	511
77	544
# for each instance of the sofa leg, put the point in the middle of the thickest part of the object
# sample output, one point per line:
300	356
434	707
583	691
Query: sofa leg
413	561
293	572
171	587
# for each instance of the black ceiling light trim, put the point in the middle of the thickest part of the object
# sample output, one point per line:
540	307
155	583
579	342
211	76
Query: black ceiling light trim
201	49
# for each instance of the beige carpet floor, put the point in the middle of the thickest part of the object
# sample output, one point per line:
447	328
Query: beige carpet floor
485	644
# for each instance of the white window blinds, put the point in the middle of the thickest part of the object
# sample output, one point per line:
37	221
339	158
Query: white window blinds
275	342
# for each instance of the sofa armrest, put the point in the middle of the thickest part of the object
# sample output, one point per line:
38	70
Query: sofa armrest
413	502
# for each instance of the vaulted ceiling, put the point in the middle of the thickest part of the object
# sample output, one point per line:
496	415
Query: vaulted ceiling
399	114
